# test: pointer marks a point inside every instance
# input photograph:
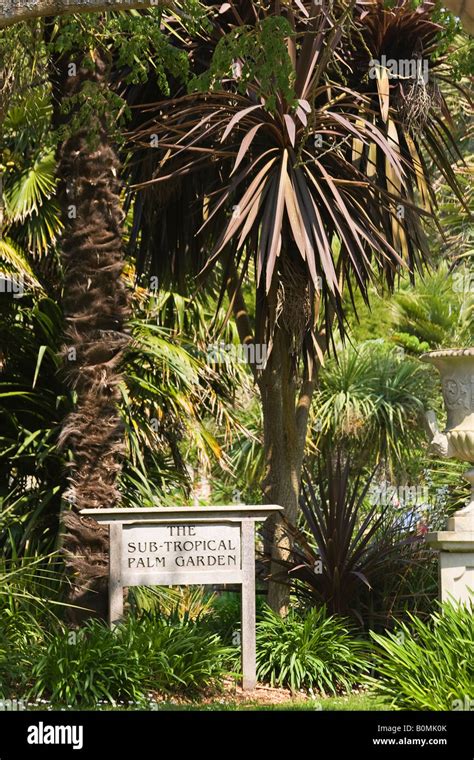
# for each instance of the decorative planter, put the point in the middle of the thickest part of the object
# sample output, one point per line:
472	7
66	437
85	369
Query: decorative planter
456	545
456	367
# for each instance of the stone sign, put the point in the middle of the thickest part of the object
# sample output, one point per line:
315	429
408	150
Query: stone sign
176	546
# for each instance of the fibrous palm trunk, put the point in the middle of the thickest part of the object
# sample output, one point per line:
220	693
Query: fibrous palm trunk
96	309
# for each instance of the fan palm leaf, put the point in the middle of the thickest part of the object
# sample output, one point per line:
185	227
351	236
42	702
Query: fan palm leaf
13	260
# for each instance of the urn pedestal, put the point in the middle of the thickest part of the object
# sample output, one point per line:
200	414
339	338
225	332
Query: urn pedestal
456	544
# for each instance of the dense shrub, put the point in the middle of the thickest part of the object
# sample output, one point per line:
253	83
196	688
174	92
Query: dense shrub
183	601
27	609
19	632
316	651
150	652
177	651
11	672
225	616
85	666
428	665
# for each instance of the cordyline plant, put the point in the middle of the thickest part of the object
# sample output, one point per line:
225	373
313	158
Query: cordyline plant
347	546
289	162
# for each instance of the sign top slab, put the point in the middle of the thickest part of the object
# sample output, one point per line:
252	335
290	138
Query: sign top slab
231	513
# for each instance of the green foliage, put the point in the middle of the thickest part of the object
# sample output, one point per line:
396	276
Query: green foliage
245	454
371	400
439	312
79	668
314	652
142	47
460	53
31	222
95	106
225	617
26	195
21	61
29	589
369	321
137	41
33	403
191	602
139	47
15	267
428	666
412	344
261	55
83	667
436	312
179	652
172	398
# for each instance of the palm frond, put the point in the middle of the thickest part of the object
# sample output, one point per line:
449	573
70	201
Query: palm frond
28	192
13	260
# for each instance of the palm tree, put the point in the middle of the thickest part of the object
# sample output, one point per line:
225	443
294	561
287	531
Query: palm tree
289	155
370	403
96	297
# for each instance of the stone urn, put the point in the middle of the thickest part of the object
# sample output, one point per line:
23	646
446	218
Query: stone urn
456	544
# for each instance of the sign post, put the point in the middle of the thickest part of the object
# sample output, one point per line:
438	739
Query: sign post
180	546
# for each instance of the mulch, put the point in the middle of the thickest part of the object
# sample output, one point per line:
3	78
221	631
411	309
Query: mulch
232	693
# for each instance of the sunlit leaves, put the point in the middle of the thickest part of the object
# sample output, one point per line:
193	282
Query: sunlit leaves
372	400
428	665
28	191
256	57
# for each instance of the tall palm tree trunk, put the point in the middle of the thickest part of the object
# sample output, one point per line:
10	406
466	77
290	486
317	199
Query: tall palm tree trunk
285	422
286	399
96	309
